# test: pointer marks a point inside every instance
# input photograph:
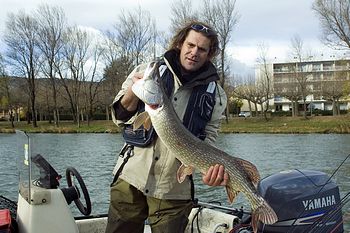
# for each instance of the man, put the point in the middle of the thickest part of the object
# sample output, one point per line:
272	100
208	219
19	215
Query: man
145	186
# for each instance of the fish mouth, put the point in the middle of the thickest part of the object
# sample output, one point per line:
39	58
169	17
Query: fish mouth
154	106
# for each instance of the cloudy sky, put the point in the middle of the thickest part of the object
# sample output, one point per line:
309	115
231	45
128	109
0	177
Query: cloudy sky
273	22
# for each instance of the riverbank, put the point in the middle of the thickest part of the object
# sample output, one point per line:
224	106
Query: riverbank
290	125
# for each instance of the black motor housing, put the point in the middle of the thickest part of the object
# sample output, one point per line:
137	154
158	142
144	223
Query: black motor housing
300	198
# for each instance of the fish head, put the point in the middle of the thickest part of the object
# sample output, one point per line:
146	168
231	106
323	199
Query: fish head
148	89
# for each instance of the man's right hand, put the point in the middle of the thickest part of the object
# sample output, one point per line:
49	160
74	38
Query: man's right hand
129	101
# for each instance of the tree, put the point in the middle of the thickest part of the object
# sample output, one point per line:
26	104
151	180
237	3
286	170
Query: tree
301	71
23	53
52	23
12	94
117	67
5	93
289	90
334	17
223	17
333	89
235	103
134	33
92	79
70	66
248	91
44	100
181	14
114	75
265	83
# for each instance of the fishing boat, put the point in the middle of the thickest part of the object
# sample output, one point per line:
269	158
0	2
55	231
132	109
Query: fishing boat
304	201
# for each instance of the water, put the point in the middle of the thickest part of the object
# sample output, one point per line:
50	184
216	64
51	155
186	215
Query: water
94	156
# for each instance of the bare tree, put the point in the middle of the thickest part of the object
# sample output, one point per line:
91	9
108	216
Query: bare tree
301	71
52	23
333	88
93	79
265	83
70	66
21	37
248	91
181	13
223	17
112	48
289	90
117	66
334	17
234	101
44	99
156	37
134	33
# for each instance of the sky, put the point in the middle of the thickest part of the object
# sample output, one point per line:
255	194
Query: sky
272	22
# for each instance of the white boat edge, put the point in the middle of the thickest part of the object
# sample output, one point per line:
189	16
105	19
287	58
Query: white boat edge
54	215
209	221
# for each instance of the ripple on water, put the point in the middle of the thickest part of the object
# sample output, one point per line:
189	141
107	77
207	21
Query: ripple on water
94	156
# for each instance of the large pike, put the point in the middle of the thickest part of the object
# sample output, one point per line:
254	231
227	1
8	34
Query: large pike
195	153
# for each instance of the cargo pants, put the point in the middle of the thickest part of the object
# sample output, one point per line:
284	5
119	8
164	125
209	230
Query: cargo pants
129	208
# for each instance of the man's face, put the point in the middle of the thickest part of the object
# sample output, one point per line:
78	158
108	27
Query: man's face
194	51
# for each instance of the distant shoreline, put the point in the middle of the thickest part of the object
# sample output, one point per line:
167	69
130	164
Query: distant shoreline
277	125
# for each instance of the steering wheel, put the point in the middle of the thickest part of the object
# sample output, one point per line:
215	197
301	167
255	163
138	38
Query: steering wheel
85	210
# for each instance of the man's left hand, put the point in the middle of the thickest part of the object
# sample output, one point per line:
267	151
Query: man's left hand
216	176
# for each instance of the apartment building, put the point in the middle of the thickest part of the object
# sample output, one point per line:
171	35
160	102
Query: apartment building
318	81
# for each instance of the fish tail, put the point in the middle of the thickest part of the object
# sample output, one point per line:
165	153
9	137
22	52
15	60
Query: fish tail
265	214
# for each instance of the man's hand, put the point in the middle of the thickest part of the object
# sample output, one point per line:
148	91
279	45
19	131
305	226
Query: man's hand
216	176
130	100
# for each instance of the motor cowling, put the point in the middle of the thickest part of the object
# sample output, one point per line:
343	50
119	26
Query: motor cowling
304	201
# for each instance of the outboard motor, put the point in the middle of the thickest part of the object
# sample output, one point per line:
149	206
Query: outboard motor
304	201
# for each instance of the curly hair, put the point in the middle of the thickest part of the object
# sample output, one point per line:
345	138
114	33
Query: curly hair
197	26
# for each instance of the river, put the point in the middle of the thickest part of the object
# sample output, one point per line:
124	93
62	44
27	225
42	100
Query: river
94	156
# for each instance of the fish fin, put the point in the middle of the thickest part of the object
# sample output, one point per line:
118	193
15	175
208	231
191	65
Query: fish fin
251	171
265	214
147	124
184	171
140	120
231	193
254	223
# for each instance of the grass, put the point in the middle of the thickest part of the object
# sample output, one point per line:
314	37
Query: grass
293	125
64	127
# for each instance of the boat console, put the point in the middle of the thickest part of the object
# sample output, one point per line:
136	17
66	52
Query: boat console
43	206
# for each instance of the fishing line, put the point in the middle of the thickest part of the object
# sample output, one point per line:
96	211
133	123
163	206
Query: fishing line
330	214
334	172
327	216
